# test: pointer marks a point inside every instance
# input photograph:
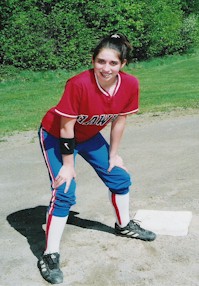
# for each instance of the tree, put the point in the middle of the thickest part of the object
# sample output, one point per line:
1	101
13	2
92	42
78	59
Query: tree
50	34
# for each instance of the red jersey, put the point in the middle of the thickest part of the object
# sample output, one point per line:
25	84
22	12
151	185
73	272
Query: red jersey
85	100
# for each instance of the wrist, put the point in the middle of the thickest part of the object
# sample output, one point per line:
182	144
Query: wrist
68	160
111	155
67	145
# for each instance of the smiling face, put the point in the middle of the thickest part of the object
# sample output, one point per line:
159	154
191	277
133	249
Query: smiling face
107	66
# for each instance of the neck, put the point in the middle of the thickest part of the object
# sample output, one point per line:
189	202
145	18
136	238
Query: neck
107	85
110	86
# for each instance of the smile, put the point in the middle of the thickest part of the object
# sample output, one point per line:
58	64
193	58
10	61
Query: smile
105	75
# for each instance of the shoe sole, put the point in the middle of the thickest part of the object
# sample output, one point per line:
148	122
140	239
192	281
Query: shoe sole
135	237
57	280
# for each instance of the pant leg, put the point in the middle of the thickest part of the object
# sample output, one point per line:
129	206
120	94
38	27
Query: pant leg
96	152
60	202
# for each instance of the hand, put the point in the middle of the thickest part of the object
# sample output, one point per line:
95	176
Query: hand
65	175
116	161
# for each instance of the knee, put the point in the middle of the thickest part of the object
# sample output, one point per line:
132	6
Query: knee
123	191
121	181
61	202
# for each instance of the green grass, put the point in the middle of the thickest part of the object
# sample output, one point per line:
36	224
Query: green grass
26	95
166	83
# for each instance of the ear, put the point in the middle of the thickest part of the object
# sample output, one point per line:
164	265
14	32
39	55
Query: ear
124	63
92	61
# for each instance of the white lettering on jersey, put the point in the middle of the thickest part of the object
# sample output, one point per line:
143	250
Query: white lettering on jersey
81	118
103	119
96	119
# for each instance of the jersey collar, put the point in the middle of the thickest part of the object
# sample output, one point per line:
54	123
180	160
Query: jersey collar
104	91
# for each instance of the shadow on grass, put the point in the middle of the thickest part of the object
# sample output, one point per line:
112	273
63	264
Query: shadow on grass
29	223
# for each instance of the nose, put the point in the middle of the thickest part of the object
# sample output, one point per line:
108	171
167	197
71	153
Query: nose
106	67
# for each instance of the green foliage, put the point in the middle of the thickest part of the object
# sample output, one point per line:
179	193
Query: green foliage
190	32
163	25
190	7
52	34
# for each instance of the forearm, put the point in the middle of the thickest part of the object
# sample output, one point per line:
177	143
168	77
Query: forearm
68	160
67	171
117	130
67	131
67	128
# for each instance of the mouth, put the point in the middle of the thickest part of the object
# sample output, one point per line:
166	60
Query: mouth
106	75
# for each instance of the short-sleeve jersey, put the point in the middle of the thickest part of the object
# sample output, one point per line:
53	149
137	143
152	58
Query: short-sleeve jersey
91	106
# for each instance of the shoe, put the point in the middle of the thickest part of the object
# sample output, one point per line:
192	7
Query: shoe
133	230
48	265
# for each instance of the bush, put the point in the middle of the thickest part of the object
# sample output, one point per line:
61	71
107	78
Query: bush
24	41
190	32
164	24
51	34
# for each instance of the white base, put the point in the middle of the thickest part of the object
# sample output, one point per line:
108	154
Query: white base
175	223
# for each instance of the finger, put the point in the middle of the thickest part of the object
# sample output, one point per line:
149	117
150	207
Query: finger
57	179
58	182
123	167
68	182
55	183
67	186
110	168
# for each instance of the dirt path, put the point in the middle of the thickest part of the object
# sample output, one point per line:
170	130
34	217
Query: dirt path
164	160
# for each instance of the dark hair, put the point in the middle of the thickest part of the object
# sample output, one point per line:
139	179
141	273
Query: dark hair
117	42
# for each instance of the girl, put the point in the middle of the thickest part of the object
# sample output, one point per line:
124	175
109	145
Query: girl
90	101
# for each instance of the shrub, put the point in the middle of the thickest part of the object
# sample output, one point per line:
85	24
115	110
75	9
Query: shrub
190	32
163	24
51	34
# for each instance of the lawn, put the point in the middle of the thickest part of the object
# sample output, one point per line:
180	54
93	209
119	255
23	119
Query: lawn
166	84
169	83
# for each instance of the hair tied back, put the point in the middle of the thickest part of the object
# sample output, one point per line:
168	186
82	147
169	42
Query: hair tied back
115	36
117	42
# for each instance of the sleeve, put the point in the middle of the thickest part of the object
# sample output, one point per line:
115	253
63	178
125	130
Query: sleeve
69	103
132	105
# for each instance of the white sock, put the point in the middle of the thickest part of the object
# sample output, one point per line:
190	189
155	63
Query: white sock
120	205
54	230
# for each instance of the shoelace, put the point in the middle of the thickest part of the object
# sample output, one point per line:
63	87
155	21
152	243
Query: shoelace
136	223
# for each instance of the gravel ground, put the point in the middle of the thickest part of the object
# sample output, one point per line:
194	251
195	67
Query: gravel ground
161	152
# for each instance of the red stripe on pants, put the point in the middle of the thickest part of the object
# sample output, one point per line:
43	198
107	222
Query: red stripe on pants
113	198
47	228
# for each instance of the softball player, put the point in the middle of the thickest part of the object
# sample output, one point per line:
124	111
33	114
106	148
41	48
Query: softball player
91	100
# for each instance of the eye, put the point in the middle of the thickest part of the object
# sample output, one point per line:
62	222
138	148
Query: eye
100	61
114	63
